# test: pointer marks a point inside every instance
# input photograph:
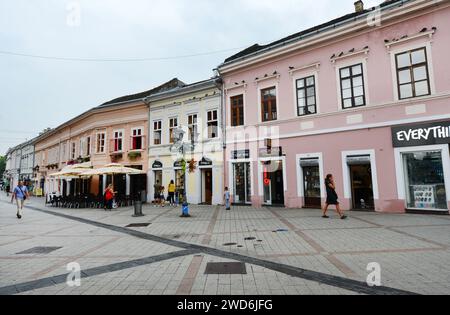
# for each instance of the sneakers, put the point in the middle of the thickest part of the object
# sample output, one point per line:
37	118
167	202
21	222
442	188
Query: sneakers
343	217
325	217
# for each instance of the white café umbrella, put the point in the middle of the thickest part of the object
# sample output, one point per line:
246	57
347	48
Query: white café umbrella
112	169
73	171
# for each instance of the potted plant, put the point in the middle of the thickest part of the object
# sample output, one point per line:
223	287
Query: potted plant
134	155
192	166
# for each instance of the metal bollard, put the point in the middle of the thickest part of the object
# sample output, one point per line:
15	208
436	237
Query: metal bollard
138	209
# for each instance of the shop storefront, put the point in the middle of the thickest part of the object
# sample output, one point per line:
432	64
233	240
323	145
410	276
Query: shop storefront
423	165
179	177
206	169
272	166
242	177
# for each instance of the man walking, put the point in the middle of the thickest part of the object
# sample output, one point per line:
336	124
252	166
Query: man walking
20	193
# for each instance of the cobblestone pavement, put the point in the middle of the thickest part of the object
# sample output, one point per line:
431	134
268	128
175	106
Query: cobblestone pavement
285	251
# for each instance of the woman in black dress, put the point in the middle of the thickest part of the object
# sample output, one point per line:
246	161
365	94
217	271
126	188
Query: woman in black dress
332	198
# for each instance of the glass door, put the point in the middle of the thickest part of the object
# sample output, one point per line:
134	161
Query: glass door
242	184
311	180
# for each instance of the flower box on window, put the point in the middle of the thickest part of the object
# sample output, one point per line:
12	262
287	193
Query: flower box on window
134	155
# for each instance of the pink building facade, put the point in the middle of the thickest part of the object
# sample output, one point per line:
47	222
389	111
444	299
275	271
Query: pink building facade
365	97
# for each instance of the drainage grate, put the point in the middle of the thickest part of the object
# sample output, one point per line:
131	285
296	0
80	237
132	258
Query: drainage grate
39	250
228	268
138	225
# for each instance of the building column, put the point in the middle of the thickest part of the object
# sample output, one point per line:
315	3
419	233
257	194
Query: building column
104	183
127	184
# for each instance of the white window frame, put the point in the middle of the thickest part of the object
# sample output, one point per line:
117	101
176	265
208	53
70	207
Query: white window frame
122	131
141	135
300	175
346	172
304	75
216	120
155	130
405	48
88	145
174	127
97	149
266	85
444	148
196	124
349	63
73	150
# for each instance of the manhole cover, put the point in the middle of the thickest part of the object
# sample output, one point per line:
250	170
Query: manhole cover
250	238
229	268
138	225
39	250
229	244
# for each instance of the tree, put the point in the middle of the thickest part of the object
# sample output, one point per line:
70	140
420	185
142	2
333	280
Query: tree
2	165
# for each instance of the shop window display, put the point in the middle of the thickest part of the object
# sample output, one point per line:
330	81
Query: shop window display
425	183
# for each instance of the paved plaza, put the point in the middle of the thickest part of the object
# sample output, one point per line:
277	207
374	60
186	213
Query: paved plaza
285	252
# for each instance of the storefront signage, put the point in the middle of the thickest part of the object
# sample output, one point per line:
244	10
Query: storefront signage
178	164
418	135
205	162
240	154
272	152
157	164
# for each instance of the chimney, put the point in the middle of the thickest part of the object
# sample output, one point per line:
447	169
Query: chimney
359	6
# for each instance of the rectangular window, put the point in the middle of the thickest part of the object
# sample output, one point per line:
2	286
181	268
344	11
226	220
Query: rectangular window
412	74
157	132
137	139
192	125
173	124
237	110
213	124
306	96
88	146
425	180
118	141
73	152
82	146
269	104
352	86
101	138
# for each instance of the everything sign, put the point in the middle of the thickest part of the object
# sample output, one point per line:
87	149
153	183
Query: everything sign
418	135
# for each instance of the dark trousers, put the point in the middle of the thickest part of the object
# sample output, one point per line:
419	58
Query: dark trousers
172	197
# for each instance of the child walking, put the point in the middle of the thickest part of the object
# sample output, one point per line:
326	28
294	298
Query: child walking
226	196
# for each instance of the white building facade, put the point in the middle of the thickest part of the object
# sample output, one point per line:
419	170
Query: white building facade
196	109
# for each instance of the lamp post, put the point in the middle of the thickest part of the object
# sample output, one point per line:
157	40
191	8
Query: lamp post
180	146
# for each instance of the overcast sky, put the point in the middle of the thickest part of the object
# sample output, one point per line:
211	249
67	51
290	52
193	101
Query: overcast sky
38	93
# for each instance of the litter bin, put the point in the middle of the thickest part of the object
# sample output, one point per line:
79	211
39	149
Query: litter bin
138	209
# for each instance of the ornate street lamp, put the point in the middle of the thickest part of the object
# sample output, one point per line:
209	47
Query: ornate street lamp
182	147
